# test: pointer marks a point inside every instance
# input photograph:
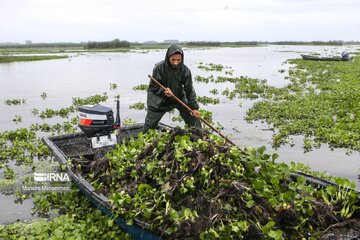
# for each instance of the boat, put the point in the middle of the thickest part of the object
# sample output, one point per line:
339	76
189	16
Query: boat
318	58
67	146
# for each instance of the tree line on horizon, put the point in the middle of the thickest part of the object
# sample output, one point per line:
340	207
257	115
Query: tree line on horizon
116	43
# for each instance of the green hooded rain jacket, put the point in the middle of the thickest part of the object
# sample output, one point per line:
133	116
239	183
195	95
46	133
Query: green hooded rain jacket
179	80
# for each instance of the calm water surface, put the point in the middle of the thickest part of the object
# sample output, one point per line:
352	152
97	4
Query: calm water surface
88	74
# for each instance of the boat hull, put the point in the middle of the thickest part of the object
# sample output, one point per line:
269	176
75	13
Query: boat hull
317	58
67	146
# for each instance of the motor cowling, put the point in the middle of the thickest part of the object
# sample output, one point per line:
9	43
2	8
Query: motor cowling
96	120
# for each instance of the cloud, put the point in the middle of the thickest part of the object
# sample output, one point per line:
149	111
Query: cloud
81	20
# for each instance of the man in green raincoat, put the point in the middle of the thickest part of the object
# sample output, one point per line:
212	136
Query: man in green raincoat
176	77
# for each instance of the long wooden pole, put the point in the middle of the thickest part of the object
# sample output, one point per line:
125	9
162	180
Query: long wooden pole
190	110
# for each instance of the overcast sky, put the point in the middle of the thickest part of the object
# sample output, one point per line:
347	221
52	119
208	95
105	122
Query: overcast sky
185	20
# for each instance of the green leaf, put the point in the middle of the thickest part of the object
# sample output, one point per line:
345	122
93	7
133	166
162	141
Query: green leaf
274	156
110	223
276	234
214	233
268	226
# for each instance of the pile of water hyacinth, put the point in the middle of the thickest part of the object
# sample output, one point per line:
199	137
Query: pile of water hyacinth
189	184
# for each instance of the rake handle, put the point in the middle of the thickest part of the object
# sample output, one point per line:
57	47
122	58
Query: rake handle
190	110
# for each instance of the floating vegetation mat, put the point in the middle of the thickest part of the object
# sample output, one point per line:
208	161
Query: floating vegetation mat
321	103
188	184
6	59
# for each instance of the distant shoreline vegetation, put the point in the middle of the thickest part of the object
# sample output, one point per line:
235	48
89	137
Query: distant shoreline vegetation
116	43
9	51
8	59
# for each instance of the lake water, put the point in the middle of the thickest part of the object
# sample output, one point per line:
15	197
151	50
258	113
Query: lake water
88	74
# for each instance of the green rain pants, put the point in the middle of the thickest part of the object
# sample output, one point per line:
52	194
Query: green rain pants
153	118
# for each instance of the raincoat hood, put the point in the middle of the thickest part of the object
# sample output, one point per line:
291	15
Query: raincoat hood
171	51
178	79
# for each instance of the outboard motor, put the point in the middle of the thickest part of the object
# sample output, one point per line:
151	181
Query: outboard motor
97	122
345	56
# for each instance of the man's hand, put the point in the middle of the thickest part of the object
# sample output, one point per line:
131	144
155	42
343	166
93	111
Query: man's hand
195	113
168	92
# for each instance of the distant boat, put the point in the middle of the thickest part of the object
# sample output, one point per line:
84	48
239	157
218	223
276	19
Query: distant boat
318	58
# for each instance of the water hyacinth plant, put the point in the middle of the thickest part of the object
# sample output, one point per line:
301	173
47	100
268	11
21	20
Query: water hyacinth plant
190	184
186	184
15	101
321	102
